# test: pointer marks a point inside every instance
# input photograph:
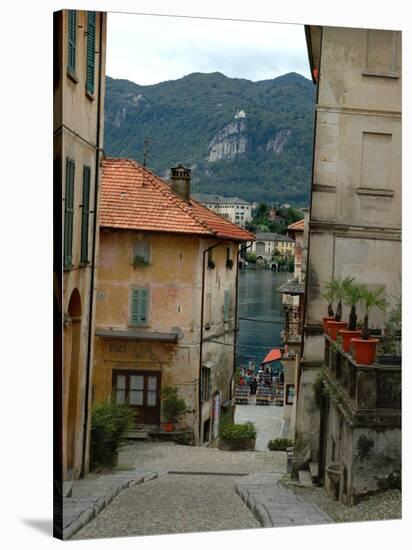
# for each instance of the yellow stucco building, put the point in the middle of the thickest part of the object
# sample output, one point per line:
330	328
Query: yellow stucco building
166	298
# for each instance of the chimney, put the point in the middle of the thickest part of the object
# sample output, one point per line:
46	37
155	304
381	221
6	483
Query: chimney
180	177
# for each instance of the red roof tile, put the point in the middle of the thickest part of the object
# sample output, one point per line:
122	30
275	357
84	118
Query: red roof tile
297	226
133	197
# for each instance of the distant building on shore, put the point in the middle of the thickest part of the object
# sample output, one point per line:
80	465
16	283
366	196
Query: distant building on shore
234	209
268	245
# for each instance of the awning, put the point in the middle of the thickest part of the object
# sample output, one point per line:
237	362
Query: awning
273	355
139	335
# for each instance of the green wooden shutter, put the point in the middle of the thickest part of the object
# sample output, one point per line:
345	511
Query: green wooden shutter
68	213
91	34
226	306
84	247
140	306
72	31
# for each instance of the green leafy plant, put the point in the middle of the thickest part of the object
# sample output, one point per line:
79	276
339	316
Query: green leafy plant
251	257
211	264
239	432
330	295
229	264
352	295
279	444
110	422
371	299
139	261
172	405
318	386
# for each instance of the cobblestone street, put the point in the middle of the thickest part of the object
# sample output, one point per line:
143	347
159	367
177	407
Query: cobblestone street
200	489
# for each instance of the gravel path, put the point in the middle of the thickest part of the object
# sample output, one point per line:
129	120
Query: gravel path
173	504
167	456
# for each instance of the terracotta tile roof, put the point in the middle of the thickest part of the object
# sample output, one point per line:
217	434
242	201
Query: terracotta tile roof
133	197
297	226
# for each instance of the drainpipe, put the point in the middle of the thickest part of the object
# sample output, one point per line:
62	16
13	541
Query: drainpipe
201	334
94	242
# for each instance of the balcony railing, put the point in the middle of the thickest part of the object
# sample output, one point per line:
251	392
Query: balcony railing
368	387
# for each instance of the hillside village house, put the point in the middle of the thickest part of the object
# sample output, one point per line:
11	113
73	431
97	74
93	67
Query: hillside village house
166	297
266	245
354	230
234	209
78	91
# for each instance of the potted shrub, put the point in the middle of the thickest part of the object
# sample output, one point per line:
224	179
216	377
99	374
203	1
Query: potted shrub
330	296
237	437
352	295
172	407
336	324
229	263
364	348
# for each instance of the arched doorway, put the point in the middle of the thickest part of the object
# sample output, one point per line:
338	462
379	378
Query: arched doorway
72	377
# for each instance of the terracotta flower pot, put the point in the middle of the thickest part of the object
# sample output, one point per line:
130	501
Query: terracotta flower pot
347	335
169	427
325	323
364	351
334	326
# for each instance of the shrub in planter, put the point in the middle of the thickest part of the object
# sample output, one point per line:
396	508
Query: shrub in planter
110	422
172	406
279	444
364	348
241	437
390	347
352	295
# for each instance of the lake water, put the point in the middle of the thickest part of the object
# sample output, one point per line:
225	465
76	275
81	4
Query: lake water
259	301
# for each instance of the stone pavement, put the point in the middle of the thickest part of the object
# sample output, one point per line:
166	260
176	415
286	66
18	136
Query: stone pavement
86	498
267	418
192	489
275	506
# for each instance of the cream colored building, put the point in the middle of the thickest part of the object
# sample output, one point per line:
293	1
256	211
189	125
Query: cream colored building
78	120
268	245
166	298
234	209
355	230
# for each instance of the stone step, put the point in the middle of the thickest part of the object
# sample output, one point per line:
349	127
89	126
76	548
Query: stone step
314	469
137	434
305	479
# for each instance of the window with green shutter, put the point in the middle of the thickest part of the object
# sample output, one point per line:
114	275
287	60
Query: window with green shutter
226	305
84	245
140	306
68	213
91	35
72	31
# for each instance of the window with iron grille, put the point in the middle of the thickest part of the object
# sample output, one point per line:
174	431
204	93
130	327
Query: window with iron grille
139	306
90	61
72	32
68	213
84	245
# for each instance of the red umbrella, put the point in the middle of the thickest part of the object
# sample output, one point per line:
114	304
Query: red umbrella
273	355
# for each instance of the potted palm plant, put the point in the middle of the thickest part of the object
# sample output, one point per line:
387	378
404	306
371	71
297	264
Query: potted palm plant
330	296
364	348
352	295
336	324
172	407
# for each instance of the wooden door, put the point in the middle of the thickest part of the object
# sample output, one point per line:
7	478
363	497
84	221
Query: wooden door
141	391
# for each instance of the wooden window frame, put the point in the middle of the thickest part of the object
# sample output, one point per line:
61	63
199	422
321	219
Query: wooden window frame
69	213
71	44
90	53
139	322
84	239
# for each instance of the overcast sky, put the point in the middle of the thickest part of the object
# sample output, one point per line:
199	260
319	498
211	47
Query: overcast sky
149	49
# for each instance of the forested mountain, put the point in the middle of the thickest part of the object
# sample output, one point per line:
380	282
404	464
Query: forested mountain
240	138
